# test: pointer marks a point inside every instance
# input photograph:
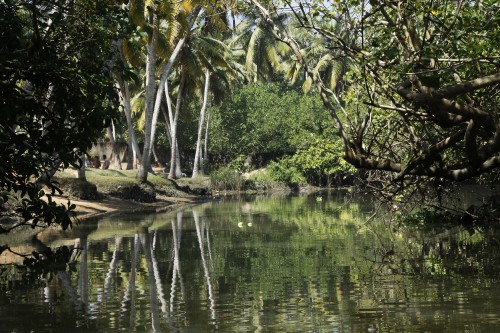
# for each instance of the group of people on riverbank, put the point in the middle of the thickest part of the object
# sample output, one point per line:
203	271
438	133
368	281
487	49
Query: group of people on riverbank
95	162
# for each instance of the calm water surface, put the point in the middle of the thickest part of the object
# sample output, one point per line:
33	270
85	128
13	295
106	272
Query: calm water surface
293	264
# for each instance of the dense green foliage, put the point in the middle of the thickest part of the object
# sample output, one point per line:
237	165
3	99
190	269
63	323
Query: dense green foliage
275	122
56	94
419	96
265	118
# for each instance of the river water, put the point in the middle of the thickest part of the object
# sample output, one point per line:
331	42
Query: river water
263	264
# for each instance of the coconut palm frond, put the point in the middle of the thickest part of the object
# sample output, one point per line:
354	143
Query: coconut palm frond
282	48
253	48
296	71
273	56
335	74
132	52
136	12
187	5
323	62
306	86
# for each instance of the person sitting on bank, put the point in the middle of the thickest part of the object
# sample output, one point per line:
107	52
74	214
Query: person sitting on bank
88	162
105	163
95	162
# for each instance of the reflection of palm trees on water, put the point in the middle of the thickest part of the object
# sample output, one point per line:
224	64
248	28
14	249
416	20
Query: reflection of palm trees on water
163	304
200	233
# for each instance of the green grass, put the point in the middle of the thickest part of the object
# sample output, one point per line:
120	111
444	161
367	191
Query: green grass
110	177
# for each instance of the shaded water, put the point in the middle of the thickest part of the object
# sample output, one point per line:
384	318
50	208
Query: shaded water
294	264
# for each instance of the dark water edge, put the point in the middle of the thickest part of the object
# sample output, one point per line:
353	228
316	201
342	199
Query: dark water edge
267	263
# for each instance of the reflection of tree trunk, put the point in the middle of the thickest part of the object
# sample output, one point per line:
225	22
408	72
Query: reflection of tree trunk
176	274
83	276
204	263
112	266
130	292
159	287
146	246
209	246
66	282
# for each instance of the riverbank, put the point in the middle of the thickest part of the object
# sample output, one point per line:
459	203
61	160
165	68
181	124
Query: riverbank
105	192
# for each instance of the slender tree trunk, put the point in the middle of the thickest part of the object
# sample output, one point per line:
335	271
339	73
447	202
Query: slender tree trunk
197	154
167	125
145	165
204	160
124	94
165	72
178	170
173	127
115	153
167	68
157	161
133	147
81	170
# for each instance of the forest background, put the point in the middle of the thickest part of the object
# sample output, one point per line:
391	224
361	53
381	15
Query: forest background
402	95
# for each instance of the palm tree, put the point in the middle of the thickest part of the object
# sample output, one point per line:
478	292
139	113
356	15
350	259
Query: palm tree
153	18
264	53
330	67
130	58
217	60
200	54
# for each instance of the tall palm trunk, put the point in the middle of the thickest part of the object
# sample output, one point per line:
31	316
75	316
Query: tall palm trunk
204	160
167	68
200	126
133	148
178	170
152	46
173	128
115	153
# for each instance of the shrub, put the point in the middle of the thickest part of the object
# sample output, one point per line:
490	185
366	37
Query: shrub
260	180
284	171
226	179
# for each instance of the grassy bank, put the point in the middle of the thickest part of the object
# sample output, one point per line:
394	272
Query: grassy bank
124	184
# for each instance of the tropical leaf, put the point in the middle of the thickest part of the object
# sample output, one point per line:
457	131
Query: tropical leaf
136	12
306	86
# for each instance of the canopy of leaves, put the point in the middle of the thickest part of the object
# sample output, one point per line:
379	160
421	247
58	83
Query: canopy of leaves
420	97
266	118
